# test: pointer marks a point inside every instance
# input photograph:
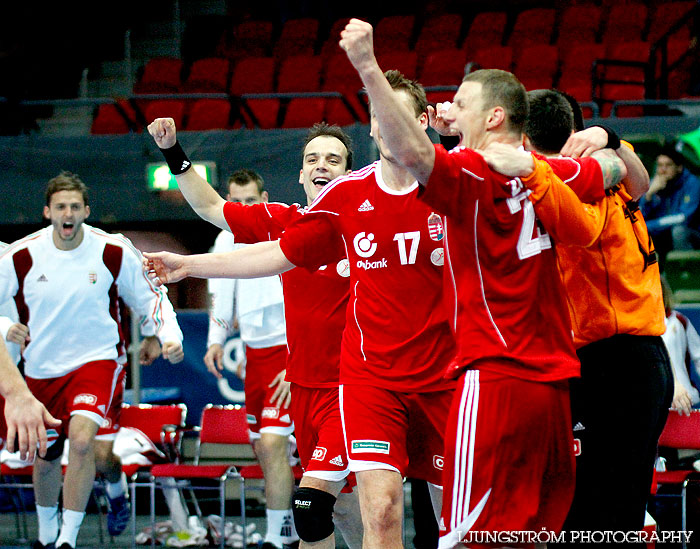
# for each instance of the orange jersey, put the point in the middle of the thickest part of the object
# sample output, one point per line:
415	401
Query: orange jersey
612	285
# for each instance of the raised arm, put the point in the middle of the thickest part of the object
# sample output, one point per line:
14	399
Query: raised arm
407	141
254	261
205	201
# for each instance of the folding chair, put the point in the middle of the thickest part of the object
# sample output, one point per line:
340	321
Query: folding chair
159	423
683	433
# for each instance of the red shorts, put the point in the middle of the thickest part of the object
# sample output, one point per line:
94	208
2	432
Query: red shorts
262	365
319	432
3	424
401	432
110	425
87	391
509	458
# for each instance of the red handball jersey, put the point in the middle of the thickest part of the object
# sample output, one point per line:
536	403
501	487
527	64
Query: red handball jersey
396	336
509	311
314	302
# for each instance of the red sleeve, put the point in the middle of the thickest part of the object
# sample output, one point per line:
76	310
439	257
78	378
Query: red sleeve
251	223
583	175
450	182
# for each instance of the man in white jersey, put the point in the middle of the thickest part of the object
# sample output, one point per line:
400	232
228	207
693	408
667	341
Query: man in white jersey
66	280
258	304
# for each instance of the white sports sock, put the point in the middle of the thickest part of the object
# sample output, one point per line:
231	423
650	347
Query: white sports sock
116	489
48	523
280	527
70	527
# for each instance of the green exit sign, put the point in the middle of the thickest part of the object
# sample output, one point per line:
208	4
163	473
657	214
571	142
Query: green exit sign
159	178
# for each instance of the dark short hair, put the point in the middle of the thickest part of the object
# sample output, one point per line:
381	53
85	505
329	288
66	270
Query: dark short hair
322	129
66	181
502	89
550	121
675	155
413	88
244	177
577	110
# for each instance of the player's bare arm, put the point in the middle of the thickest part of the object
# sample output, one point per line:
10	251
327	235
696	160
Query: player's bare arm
18	333
508	160
282	395
25	416
205	201
214	360
406	139
612	166
254	261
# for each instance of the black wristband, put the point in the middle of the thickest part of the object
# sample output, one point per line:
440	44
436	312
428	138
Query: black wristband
177	159
613	139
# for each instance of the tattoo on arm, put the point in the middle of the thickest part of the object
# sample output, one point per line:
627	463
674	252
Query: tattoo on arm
611	166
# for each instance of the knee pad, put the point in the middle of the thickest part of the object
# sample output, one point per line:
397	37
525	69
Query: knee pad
313	514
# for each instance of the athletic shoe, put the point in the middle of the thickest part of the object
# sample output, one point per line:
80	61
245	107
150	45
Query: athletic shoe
119	515
38	545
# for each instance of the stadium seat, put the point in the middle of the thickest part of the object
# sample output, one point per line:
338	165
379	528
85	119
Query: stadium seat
339	74
681	432
625	24
330	46
159	423
578	24
486	30
443	67
393	33
494	57
336	112
665	15
300	73
114	118
577	64
264	111
635	51
160	75
253	75
437	33
532	26
537	66
304	112
165	108
298	37
209	114
208	75
435	97
404	61
247	39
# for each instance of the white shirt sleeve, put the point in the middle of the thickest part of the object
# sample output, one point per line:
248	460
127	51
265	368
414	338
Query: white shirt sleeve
693	347
148	301
221	297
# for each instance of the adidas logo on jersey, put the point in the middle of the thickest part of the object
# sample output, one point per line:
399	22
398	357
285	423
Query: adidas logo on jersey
365	207
42	278
337	460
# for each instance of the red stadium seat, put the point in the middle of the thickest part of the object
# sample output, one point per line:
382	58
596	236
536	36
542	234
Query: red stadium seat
265	112
393	33
537	65
665	15
443	68
248	38
533	26
615	92
579	24
336	112
330	46
577	64
437	33
340	75
404	61
486	30
209	114
165	108
300	73
625	24
494	57
628	51
304	112
160	75
110	118
208	75
298	37
253	75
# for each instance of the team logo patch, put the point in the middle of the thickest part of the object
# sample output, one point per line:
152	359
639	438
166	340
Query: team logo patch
85	398
438	462
319	453
343	268
270	413
435	227
364	247
92	277
338	461
250	418
437	257
577	447
370	447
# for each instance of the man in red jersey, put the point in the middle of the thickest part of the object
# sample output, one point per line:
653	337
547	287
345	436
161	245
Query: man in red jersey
397	340
315	304
509	452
